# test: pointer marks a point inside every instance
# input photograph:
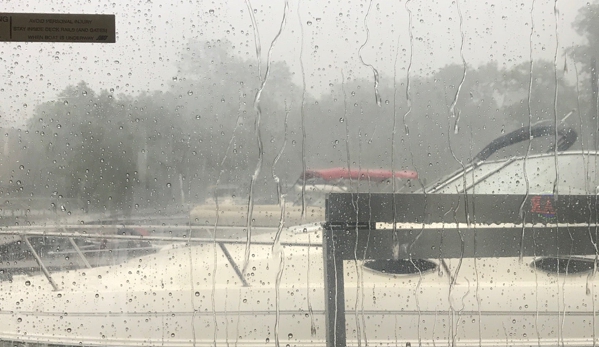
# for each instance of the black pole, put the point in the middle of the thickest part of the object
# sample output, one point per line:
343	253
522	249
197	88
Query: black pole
334	289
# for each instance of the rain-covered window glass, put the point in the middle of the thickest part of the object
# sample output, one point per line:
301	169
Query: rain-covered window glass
298	173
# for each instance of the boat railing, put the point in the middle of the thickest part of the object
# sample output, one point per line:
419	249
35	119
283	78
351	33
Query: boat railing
91	256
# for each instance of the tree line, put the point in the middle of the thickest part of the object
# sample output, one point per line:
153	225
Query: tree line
118	152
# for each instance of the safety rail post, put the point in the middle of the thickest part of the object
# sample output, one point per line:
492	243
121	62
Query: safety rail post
41	264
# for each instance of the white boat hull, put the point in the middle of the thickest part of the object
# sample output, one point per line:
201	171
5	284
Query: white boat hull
176	298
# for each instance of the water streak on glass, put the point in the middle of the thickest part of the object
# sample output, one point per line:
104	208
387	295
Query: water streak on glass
258	109
586	163
303	145
555	150
281	253
191	293
226	317
356	211
216	225
394	128
257	43
529	108
277	180
363	315
375	72
463	175
417	299
335	298
452	110
359	270
461	311
302	110
475	246
214	232
555	95
534	266
346	122
213	291
276	247
359	274
408	96
393	135
452	310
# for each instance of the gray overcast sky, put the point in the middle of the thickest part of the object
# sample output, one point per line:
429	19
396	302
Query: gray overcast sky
150	35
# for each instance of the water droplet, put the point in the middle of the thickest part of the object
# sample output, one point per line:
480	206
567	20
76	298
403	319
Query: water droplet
198	116
267	340
84	93
172	334
19	320
66	102
69	330
168	185
290	336
175	78
197	293
341	120
309	23
211	11
190	93
27	283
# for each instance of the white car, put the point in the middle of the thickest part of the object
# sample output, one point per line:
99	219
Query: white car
219	292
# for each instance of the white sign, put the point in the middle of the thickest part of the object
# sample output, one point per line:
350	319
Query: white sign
54	27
